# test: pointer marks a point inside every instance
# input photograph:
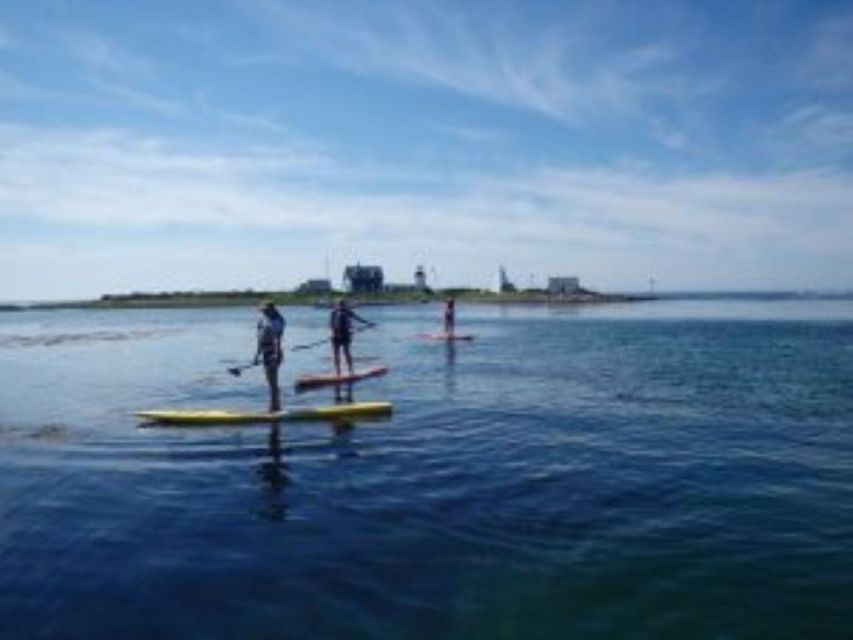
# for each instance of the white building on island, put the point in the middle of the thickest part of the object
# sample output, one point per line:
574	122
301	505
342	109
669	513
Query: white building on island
563	285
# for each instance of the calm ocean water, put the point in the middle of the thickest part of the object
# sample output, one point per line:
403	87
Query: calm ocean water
677	469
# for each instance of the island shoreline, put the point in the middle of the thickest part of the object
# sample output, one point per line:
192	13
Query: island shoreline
189	300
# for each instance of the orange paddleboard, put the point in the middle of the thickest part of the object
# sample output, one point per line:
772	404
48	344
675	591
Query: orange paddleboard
309	382
446	337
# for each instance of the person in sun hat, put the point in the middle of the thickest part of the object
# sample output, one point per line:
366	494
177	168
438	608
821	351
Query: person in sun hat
269	352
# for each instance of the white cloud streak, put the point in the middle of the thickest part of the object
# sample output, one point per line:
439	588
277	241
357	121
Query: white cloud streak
477	135
555	72
822	123
142	100
6	40
828	59
251	123
198	34
102	54
12	88
815	133
109	177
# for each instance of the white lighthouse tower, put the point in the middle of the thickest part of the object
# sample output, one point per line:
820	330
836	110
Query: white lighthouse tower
503	284
420	278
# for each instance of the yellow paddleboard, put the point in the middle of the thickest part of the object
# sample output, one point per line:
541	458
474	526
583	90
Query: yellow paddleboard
213	417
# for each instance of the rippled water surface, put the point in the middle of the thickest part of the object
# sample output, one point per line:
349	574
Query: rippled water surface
679	469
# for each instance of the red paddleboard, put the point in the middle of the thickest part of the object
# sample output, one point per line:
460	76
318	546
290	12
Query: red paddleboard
308	382
446	337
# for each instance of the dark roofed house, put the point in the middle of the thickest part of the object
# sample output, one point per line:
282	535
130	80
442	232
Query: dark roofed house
360	279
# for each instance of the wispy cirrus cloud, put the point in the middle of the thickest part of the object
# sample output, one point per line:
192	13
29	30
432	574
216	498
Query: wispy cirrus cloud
12	88
814	133
247	122
102	54
6	40
197	33
137	99
554	69
124	179
828	58
467	133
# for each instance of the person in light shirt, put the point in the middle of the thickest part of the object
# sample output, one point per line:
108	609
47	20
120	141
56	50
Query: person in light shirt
269	352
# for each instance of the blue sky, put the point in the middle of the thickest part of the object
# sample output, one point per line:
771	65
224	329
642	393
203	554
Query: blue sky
235	144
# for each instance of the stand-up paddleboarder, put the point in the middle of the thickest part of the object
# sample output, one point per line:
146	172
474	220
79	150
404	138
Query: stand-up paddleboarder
270	331
450	318
340	323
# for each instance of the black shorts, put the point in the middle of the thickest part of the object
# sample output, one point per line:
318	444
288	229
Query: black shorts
341	339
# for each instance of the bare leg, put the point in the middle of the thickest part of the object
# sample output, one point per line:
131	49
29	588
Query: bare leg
271	370
348	357
336	354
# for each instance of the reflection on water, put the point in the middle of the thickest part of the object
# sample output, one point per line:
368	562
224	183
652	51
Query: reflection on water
343	443
450	368
274	473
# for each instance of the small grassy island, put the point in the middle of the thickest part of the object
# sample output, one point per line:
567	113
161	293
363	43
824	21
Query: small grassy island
250	297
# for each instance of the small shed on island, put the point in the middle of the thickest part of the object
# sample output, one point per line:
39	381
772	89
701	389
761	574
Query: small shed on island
359	279
563	285
319	285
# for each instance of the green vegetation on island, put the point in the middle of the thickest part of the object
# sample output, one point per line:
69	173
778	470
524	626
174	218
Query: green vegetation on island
251	297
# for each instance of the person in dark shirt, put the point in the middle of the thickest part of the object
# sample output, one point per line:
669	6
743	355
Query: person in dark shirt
450	317
270	332
340	323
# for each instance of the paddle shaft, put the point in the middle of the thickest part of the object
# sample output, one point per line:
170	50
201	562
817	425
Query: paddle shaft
317	343
236	371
